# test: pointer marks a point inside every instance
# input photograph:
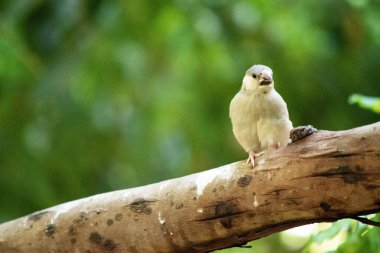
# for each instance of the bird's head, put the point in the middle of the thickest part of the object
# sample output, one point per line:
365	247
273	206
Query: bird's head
258	77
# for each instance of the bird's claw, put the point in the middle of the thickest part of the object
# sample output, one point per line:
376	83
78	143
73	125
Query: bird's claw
252	157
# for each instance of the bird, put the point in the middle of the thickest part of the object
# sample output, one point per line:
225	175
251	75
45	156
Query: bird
259	115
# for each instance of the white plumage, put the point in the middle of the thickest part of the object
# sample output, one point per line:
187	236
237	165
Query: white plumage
259	116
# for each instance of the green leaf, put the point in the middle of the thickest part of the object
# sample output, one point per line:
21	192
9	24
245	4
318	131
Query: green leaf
326	234
370	103
330	232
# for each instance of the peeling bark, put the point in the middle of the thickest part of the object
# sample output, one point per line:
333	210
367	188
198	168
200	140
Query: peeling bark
324	177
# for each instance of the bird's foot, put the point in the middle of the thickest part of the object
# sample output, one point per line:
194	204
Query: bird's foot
274	146
252	157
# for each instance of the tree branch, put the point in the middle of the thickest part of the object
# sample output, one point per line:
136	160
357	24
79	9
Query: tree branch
324	177
366	221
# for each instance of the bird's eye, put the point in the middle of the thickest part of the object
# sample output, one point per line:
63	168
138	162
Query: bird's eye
254	75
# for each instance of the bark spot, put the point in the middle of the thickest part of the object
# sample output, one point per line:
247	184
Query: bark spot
178	205
37	216
141	206
73	240
81	217
244	180
348	175
226	222
296	200
95	237
325	206
119	217
50	229
109	245
275	192
304	150
109	222
371	187
72	231
224	210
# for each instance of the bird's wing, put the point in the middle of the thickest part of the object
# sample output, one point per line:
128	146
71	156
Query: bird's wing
244	122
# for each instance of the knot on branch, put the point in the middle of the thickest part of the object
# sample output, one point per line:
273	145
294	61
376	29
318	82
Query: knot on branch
301	132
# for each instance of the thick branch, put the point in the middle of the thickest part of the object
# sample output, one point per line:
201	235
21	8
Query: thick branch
324	177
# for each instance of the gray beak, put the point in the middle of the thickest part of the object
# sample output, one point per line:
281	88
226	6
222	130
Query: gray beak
265	79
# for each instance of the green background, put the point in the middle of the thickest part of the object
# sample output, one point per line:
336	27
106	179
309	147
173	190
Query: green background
97	95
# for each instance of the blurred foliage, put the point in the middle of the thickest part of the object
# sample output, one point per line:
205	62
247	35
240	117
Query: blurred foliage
370	103
354	237
100	95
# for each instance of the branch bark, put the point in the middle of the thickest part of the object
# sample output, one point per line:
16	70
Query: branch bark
324	177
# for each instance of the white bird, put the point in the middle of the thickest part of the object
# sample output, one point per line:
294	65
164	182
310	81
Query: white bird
259	116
